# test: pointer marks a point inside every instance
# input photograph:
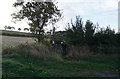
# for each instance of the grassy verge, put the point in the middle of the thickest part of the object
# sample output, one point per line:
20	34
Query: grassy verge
17	65
36	61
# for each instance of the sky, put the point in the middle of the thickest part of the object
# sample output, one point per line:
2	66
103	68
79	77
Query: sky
103	12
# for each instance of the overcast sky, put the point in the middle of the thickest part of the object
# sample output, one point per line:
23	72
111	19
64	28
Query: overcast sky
103	12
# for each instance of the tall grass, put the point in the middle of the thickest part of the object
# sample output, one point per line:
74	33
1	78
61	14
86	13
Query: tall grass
34	50
45	52
74	52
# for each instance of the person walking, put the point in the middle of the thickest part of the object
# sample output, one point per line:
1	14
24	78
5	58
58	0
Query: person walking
63	48
53	45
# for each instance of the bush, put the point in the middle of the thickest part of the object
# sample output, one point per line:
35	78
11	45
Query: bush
46	42
77	52
44	52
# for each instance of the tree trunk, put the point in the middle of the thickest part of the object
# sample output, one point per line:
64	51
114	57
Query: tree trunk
39	32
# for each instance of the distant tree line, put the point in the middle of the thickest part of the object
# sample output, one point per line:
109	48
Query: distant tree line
13	28
9	27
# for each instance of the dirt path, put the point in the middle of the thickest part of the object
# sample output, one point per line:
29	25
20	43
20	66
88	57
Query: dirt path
98	73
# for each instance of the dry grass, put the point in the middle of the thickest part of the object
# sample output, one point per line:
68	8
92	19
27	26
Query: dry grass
40	51
44	52
33	50
29	47
56	57
13	41
77	52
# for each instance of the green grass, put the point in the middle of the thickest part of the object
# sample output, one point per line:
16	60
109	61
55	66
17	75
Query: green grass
17	65
15	33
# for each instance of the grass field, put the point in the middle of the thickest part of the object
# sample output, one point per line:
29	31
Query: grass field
38	61
16	33
17	65
13	38
13	41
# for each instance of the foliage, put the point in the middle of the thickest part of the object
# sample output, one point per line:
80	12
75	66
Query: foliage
106	37
89	32
46	41
58	37
39	15
9	27
104	40
17	64
75	34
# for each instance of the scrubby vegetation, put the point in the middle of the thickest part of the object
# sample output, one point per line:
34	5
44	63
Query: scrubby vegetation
38	60
103	40
91	52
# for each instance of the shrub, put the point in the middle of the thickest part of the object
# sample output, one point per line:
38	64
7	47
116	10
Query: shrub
44	52
46	42
77	52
